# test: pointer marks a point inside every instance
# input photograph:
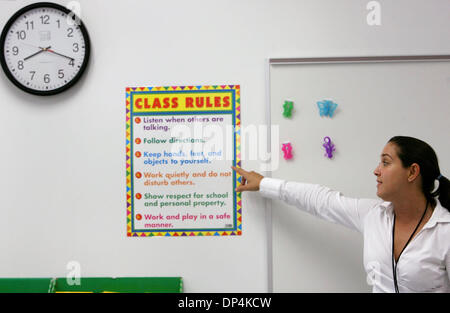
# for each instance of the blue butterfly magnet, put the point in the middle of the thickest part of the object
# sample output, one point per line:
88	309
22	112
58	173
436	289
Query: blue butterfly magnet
326	107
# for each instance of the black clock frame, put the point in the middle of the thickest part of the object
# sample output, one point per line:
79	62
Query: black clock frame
2	49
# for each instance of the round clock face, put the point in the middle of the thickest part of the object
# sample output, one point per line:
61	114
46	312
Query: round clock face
44	48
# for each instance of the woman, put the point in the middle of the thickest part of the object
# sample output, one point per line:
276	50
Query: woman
406	236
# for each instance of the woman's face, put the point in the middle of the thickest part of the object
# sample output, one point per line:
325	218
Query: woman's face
392	178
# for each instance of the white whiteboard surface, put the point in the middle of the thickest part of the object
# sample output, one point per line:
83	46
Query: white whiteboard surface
376	101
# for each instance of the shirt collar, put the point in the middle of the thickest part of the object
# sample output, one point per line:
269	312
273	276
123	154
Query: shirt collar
440	214
387	206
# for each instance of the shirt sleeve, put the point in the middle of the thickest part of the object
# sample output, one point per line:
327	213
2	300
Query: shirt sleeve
320	201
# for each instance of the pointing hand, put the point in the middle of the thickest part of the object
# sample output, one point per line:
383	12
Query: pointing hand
250	180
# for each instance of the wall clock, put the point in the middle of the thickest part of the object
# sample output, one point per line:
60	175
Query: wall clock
44	48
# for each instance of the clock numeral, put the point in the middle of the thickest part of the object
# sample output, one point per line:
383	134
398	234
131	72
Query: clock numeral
15	50
47	78
21	35
70	32
71	62
75	47
45	19
61	74
20	65
30	25
32	74
59	23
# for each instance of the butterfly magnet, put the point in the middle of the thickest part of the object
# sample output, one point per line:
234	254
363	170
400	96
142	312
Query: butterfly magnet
326	107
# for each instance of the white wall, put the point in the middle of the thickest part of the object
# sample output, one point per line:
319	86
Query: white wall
63	158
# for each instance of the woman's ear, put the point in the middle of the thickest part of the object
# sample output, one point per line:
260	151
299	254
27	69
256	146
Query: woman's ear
414	171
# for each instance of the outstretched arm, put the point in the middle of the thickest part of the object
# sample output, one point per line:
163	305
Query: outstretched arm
315	199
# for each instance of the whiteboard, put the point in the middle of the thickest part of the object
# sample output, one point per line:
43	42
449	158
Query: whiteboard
378	98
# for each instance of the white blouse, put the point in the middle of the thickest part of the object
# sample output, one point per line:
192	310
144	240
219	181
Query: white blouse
424	265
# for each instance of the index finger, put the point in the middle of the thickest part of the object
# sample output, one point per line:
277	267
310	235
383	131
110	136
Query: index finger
241	171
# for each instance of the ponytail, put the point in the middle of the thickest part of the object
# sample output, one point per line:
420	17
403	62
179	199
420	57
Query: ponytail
443	192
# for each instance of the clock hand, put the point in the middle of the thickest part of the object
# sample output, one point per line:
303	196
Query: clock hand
42	50
27	44
60	54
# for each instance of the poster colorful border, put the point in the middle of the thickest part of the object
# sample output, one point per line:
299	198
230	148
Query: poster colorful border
236	162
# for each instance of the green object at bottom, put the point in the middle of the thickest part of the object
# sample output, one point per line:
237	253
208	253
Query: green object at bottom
93	284
24	285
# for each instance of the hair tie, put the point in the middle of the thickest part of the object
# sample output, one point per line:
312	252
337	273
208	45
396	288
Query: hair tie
439	177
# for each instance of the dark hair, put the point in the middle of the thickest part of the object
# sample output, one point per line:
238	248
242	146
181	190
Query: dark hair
411	150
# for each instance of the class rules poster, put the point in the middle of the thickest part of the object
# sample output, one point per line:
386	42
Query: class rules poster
181	142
